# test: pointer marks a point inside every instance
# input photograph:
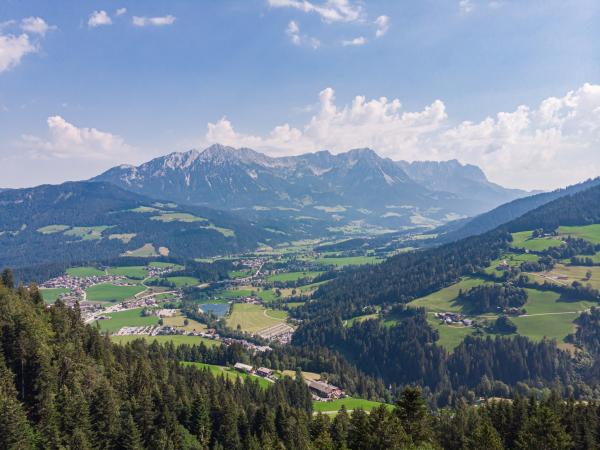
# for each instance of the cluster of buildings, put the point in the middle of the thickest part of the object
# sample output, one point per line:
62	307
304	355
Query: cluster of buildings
247	345
260	372
453	318
324	391
78	285
280	333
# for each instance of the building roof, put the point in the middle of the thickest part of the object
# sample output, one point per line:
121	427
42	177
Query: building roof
242	366
323	387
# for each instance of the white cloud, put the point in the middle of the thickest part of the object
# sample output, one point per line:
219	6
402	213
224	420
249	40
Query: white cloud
36	25
120	11
329	11
552	144
465	6
293	32
357	41
67	141
99	18
383	25
153	21
12	50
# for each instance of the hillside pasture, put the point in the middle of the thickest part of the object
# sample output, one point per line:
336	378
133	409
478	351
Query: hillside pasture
145	251
230	373
446	299
590	233
565	275
184	281
51	229
349	403
293	276
175	339
177	217
87	233
523	240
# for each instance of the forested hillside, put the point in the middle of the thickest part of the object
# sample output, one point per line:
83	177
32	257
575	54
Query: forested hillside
85	221
64	385
402	348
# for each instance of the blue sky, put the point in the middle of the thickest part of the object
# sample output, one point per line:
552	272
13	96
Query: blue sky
509	85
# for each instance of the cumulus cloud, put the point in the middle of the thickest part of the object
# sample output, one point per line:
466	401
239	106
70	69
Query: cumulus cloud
153	21
13	48
36	25
69	141
293	32
99	18
120	11
554	143
465	6
329	11
383	25
360	40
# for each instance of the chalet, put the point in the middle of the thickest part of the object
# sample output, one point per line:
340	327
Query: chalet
243	367
264	372
324	390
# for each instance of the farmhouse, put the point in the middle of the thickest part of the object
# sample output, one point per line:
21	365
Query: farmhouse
264	372
243	367
324	390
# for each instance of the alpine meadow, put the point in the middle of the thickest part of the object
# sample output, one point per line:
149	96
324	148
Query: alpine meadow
300	225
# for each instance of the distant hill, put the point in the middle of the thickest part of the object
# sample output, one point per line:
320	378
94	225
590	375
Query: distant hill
357	187
85	221
508	212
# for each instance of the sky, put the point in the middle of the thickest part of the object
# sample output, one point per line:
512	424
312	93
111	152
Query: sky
511	86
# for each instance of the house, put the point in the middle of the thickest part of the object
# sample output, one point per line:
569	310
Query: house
243	367
264	372
324	390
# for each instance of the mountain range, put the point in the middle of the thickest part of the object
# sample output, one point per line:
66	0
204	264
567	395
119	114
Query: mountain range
357	187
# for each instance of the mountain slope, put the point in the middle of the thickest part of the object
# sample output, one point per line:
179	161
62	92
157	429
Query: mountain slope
512	210
83	221
356	187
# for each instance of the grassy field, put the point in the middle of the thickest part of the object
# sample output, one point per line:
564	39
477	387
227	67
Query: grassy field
267	295
179	322
444	300
512	259
106	292
87	233
240	273
362	318
224	231
123	237
589	232
129	318
293	276
145	251
135	272
347	261
162	264
553	326
349	403
229	372
85	272
523	240
51	294
51	229
253	318
184	281
235	293
175	339
450	336
177	217
562	274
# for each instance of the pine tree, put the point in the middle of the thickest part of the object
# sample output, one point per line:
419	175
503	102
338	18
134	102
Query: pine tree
129	437
484	436
413	414
16	433
359	431
200	425
339	429
543	431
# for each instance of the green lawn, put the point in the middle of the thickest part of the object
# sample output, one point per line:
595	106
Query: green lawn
444	300
253	318
87	233
177	217
348	261
293	276
129	318
106	292
184	281
349	403
524	240
135	272
229	372
51	294
588	232
266	295
161	264
85	272
175	339
450	336
556	326
51	229
240	273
